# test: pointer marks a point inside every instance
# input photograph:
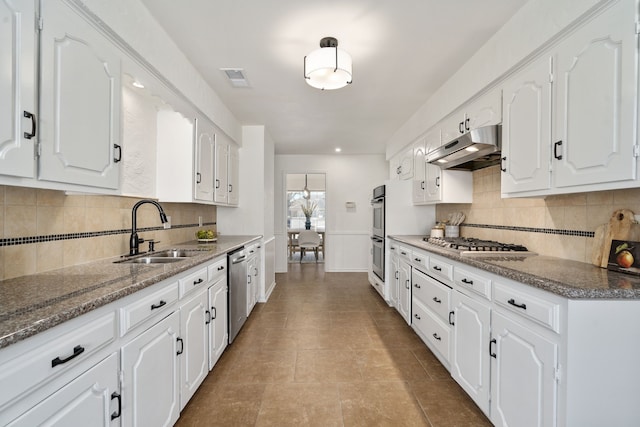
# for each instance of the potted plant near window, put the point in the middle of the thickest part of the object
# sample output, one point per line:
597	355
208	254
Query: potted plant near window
307	209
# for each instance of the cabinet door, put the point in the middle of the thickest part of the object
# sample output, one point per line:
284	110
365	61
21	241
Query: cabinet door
485	111
406	165
150	386
233	175
404	291
433	173
419	174
526	129
394	277
218	328
205	156
17	88
596	93
80	101
470	361
524	388
221	190
251	297
452	127
89	400
194	364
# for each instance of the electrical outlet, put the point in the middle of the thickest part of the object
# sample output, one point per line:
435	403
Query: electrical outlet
167	224
200	220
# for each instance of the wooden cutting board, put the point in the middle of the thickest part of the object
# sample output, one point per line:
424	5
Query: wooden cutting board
621	226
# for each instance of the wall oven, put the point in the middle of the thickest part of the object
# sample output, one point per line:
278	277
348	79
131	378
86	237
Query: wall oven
377	232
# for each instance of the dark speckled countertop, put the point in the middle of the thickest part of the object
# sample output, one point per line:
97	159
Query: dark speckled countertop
571	279
35	303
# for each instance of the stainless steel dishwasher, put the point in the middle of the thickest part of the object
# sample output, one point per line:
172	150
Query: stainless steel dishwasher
237	291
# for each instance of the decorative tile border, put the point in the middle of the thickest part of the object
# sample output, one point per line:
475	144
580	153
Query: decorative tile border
11	241
578	233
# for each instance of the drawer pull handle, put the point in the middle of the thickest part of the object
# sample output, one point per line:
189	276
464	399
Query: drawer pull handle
417	259
221	268
436	268
208	313
403	253
417	286
162	303
416	316
179	352
77	351
515	304
491	353
116	395
197	282
451	322
215	313
438	300
407	284
468	282
437	337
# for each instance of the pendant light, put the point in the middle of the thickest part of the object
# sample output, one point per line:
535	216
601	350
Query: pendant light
328	67
305	191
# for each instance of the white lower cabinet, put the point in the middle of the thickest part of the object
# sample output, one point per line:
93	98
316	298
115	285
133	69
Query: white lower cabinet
194	360
92	399
150	370
523	375
404	290
393	276
218	335
470	364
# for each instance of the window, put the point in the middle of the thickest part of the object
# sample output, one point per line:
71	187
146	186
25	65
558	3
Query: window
295	200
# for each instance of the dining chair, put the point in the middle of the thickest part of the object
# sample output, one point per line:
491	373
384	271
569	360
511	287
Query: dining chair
308	239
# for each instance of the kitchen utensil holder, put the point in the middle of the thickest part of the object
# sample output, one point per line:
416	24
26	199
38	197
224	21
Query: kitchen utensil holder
452	231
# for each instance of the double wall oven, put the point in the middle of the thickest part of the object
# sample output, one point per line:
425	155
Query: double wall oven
377	232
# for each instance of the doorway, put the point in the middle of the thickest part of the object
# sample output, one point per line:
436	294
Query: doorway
306	210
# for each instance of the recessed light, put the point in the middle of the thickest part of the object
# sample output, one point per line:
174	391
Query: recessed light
472	149
137	84
338	150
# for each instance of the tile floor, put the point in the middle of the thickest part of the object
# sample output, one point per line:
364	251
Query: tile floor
325	350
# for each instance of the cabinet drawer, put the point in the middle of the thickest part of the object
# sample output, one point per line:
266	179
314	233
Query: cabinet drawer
404	253
218	270
478	284
138	311
55	356
431	293
193	281
544	312
420	259
432	329
440	269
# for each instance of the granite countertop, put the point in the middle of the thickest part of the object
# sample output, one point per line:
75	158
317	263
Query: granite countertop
35	303
571	279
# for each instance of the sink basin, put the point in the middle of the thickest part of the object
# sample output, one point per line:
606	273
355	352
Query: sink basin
152	260
175	253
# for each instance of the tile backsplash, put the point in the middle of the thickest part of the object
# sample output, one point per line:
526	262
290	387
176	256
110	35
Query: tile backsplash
560	226
44	230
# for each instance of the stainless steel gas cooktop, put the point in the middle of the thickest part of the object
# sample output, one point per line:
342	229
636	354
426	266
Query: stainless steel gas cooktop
468	246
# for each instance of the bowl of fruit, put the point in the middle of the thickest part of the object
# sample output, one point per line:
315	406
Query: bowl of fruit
206	236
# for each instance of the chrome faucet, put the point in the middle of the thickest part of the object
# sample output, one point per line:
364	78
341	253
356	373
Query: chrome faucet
134	240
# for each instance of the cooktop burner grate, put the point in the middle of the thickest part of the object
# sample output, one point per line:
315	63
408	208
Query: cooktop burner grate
468	245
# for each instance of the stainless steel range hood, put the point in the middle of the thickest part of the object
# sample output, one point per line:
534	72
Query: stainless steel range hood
476	149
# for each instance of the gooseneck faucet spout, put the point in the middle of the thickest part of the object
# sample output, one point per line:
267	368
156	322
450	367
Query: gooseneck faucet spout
134	240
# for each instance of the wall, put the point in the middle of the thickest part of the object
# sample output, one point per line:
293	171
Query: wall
560	226
542	19
44	230
349	178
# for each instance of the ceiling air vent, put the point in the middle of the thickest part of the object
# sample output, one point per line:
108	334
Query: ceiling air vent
236	77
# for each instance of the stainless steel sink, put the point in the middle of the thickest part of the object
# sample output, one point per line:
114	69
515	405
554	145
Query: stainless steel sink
152	260
175	253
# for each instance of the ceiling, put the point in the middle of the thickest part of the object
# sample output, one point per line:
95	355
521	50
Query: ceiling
402	52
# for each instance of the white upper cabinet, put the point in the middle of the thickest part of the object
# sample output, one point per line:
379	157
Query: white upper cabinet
221	194
526	129
233	175
205	155
79	101
175	152
419	172
485	111
18	121
596	93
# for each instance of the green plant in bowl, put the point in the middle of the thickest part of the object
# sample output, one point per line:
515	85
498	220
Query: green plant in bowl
205	234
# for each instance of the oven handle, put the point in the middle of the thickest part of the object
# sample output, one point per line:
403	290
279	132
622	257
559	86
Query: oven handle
376	201
377	239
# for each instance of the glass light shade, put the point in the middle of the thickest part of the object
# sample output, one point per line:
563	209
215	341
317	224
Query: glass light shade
322	72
